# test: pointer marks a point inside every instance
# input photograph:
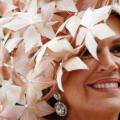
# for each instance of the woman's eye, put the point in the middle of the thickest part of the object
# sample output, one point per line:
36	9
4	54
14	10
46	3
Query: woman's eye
115	50
86	55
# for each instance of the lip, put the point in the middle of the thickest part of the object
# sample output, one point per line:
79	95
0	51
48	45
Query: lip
105	80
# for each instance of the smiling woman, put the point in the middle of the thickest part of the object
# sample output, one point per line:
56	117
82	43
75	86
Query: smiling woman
94	93
99	93
60	60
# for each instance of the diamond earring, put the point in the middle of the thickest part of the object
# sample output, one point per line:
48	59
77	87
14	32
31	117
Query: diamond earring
60	107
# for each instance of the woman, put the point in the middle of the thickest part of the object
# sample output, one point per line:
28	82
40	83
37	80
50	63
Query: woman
94	94
99	93
76	70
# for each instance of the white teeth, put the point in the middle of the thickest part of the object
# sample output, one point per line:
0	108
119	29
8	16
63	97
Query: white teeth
106	85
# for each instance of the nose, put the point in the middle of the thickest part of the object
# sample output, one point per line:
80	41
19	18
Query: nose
107	63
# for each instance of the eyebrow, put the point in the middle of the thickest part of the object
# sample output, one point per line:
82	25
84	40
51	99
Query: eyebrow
116	40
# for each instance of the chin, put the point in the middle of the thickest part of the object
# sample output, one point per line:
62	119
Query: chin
109	105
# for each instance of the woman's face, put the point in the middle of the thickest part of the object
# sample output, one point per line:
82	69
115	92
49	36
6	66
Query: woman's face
97	89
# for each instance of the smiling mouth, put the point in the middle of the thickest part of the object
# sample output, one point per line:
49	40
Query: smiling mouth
112	84
105	85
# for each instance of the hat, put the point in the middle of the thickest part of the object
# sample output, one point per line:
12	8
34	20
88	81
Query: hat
39	41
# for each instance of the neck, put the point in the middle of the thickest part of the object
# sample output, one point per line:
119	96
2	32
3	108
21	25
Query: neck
92	116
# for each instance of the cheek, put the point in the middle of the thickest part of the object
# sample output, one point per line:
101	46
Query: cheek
117	61
75	85
73	92
91	63
75	88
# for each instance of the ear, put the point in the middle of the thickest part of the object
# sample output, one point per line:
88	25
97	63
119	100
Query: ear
63	98
65	76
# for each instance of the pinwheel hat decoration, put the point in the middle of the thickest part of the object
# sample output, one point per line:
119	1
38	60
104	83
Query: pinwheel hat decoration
39	40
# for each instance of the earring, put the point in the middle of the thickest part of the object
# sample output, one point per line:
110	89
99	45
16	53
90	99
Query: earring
60	107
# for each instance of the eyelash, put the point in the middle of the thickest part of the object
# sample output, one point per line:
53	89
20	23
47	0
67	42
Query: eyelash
115	50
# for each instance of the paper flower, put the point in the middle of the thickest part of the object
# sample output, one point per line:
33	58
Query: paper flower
3	21
33	87
88	28
26	112
59	45
19	22
7	91
62	5
116	6
94	28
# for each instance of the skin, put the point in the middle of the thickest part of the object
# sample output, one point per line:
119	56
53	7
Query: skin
2	8
86	103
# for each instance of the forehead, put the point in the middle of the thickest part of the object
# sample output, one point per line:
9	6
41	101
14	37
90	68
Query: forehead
109	42
114	22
